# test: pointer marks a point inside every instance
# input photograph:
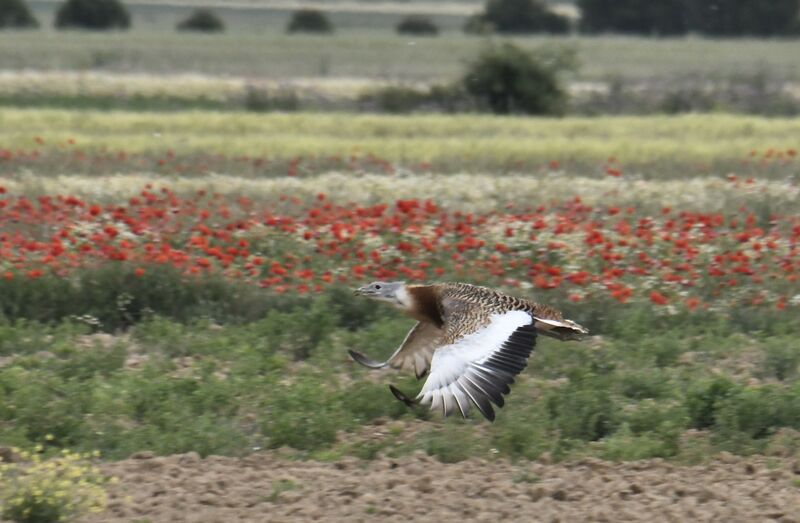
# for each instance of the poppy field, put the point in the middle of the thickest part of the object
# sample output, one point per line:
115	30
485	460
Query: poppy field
196	297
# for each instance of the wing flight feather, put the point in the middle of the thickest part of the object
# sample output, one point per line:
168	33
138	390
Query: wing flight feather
415	352
478	368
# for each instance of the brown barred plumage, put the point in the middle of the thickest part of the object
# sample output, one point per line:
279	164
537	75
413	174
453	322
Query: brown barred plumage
477	304
470	340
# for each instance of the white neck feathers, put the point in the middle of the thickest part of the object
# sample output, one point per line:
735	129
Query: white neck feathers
404	298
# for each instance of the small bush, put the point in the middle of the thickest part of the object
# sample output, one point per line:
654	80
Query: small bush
643	383
625	445
261	100
781	358
508	80
202	20
453	442
301	415
418	26
15	14
516	17
746	419
704	398
397	99
309	21
59	489
583	410
92	14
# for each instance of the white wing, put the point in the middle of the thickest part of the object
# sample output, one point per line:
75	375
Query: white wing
479	367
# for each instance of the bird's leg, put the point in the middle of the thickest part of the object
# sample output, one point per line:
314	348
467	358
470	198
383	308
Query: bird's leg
402	396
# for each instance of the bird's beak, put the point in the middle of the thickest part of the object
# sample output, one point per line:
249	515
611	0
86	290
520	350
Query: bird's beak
363	291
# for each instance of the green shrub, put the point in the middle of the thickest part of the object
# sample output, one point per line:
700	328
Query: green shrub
518	16
301	415
583	409
309	21
398	99
113	297
757	413
507	80
625	445
60	489
92	14
521	430
260	99
202	20
781	358
451	443
365	401
643	383
15	14
664	17
417	25
704	398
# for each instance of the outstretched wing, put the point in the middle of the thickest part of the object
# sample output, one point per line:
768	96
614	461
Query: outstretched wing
478	368
415	352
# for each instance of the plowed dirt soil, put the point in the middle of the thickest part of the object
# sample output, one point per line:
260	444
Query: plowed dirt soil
270	487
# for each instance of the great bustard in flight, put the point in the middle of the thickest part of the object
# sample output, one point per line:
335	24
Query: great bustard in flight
471	341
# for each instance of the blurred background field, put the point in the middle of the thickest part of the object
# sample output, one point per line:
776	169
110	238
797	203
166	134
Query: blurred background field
183	215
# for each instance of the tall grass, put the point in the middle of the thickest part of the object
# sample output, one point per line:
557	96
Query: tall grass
450	142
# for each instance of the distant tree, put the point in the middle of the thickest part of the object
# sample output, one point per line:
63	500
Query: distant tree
92	14
518	16
417	25
15	14
508	80
647	17
202	20
743	17
309	21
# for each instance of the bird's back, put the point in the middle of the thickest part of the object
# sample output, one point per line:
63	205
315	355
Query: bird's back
479	303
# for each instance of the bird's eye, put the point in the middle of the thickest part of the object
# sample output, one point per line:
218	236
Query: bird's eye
377	287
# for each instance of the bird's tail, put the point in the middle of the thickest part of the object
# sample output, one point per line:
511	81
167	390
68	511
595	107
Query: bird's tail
563	330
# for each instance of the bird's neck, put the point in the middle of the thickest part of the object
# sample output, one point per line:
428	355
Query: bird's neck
422	303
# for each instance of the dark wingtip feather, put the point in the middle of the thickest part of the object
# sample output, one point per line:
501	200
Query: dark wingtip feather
402	396
365	361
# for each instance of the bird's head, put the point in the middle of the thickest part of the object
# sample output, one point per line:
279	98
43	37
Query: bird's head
393	292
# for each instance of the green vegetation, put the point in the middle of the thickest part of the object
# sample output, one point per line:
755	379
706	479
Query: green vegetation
508	80
202	20
309	21
222	387
96	15
655	147
15	14
518	17
417	25
663	18
382	54
61	489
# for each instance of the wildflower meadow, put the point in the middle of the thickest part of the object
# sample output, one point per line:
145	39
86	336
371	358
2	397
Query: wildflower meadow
165	291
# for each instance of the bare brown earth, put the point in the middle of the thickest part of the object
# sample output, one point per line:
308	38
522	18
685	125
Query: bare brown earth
270	487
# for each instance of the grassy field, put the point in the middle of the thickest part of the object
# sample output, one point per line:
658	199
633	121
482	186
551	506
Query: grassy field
380	54
648	147
175	309
181	282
